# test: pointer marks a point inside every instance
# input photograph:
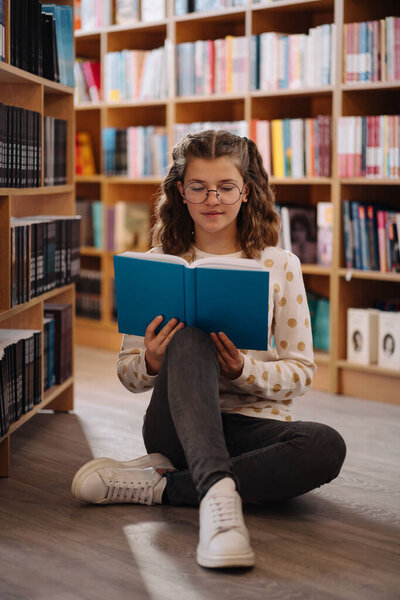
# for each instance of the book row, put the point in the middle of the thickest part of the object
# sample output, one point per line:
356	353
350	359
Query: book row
371	50
207	67
88	81
371	237
136	74
21	362
93	14
307	231
369	146
135	151
44	254
294	147
180	130
55	151
373	337
20	147
182	7
88	294
300	60
41	39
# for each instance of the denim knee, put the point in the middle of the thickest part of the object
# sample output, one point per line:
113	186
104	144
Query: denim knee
329	445
191	339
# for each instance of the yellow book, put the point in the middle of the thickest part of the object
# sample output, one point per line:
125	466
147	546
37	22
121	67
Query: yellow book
229	42
277	148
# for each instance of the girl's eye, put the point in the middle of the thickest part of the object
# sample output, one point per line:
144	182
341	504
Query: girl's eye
226	188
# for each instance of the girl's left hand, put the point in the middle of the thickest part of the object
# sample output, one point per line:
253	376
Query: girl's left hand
231	360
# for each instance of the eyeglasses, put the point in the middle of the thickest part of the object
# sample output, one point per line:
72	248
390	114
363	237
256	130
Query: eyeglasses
227	193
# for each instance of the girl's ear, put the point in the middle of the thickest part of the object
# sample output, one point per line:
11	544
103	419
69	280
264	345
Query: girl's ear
180	188
245	193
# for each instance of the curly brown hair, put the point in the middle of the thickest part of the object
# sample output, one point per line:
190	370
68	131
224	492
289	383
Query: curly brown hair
257	221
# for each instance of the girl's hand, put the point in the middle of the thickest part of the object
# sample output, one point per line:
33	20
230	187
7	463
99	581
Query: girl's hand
231	360
156	343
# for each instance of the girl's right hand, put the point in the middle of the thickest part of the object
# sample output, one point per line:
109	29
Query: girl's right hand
156	343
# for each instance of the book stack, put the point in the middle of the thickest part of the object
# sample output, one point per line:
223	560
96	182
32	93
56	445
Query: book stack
20	374
280	61
182	7
62	315
369	146
20	147
371	237
136	75
44	255
207	67
41	39
236	127
295	147
88	294
128	225
371	51
2	31
48	352
92	222
87	77
55	151
135	151
84	156
320	321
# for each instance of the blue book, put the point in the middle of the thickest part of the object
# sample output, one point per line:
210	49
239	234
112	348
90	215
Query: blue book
215	294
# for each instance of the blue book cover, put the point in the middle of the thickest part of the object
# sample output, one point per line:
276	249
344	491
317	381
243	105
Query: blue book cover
355	221
214	294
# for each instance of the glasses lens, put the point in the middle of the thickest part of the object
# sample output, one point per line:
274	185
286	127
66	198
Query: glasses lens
228	193
196	193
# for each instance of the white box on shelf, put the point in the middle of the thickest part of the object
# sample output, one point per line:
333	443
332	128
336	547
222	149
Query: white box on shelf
362	335
389	340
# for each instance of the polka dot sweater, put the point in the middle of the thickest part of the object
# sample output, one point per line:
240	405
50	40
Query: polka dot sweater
270	379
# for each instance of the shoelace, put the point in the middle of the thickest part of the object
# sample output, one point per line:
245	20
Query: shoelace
140	492
224	512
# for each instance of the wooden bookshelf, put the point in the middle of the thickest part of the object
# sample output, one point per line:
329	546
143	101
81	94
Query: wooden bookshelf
23	89
344	288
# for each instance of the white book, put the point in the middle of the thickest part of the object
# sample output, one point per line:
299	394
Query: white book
287	243
389	340
362	335
153	10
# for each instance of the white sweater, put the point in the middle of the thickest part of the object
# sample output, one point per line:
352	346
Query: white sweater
270	379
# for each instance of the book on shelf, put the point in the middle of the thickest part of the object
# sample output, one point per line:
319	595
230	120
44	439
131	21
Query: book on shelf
371	237
48	352
296	61
371	51
127	12
320	320
295	147
87	77
62	315
299	231
389	340
152	10
180	130
135	151
207	67
96	14
368	146
55	151
44	255
137	74
77	15
209	294
324	233
20	374
41	39
88	294
2	31
92	222
20	147
131	222
183	7
362	335
84	154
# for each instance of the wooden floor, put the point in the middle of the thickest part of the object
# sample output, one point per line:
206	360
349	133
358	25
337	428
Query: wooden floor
340	541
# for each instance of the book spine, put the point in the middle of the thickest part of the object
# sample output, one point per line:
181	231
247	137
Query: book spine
190	296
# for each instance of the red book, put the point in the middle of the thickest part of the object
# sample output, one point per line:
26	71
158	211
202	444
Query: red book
92	76
381	219
211	66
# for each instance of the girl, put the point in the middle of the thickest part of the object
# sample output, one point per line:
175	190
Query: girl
219	425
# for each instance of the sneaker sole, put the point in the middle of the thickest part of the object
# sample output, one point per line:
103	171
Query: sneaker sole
246	559
154	460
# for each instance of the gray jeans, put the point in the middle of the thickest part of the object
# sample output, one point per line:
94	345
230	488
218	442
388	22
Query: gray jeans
269	460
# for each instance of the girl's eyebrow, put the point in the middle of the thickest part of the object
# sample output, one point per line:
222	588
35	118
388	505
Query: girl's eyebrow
220	181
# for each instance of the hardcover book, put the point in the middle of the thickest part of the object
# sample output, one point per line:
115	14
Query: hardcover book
215	294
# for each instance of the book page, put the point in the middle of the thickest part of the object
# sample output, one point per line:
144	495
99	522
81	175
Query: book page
228	262
169	258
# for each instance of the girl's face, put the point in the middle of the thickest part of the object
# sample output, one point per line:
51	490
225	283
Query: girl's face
212	217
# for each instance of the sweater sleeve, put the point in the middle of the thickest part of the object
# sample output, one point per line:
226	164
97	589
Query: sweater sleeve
131	365
291	374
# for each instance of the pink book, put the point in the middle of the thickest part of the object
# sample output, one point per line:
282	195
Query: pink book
381	220
369	150
350	56
92	76
378	150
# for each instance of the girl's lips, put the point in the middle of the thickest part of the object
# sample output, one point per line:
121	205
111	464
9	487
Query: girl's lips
212	214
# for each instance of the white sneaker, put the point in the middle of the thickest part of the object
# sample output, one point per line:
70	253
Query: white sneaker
108	481
224	539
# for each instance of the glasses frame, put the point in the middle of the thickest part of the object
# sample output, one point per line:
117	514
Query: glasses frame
216	194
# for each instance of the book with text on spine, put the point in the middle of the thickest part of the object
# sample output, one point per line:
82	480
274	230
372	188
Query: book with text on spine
215	294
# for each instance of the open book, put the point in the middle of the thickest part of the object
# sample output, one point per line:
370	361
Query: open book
215	294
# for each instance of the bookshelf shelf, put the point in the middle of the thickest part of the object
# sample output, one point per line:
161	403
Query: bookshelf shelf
89	106
89	251
19	88
344	364
336	100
